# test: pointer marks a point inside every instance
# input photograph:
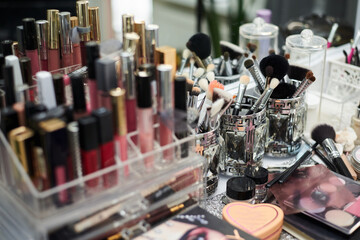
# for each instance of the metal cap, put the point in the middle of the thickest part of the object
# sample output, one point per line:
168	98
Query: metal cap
152	41
30	34
127	74
131	41
74	21
165	87
65	29
119	110
127	24
82	10
139	28
53	31
94	24
42	27
105	74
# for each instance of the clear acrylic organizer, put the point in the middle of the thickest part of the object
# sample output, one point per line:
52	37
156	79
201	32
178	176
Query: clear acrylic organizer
26	213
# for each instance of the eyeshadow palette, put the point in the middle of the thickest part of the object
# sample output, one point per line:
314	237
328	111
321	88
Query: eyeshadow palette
343	218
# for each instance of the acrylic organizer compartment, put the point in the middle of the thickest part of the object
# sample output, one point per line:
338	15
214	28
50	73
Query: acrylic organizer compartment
340	97
245	137
31	213
287	120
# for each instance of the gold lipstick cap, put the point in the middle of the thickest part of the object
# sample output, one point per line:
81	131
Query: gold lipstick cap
139	28
127	24
53	31
131	41
82	10
94	24
119	110
74	21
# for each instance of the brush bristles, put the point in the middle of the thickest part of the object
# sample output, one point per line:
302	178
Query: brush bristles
223	94
269	70
186	53
195	91
244	80
312	78
309	74
210	76
216	107
210	67
192	61
322	132
248	63
199	72
203	83
226	56
214	84
189	84
274	83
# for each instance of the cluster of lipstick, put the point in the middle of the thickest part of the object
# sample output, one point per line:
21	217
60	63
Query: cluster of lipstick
68	126
57	42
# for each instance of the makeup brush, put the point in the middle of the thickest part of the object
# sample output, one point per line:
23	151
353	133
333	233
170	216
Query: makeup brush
200	45
208	100
264	98
214	113
197	74
287	56
210	67
332	34
308	82
297	73
255	73
308	75
244	81
356	41
228	98
226	68
325	135
203	83
185	56
279	63
283	91
204	125
191	68
234	50
210	76
269	74
271	52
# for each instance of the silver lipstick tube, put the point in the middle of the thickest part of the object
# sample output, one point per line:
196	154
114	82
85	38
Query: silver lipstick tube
151	41
65	29
165	88
127	74
42	27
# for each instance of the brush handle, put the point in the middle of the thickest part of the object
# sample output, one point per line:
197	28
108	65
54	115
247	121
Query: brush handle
292	169
350	55
254	71
265	99
182	66
299	88
340	165
275	180
239	97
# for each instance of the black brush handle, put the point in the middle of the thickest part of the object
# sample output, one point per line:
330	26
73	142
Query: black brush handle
275	180
292	169
340	165
326	161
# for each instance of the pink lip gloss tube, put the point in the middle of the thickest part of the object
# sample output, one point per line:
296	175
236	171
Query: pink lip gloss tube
119	120
42	27
53	40
65	41
82	10
128	82
75	41
31	44
92	54
145	117
106	80
165	108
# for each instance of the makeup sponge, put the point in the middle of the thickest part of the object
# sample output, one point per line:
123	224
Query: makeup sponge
279	63
200	43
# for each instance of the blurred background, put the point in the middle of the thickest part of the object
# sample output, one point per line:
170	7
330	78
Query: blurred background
179	19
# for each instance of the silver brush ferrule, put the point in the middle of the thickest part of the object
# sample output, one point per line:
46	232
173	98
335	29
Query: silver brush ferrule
265	99
207	61
260	83
330	149
239	97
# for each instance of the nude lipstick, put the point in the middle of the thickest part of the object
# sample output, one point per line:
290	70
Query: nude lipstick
107	147
106	80
31	44
145	116
75	41
89	144
128	81
92	54
42	27
53	40
119	121
65	41
82	9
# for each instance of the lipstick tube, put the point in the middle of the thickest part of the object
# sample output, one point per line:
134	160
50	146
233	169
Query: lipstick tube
78	92
127	25
132	45
9	85
139	28
145	117
92	54
42	27
25	66
119	121
13	61
89	144
53	39
82	10
9	120
75	41
94	24
45	89
106	80
7	47
54	143
65	41
152	41
20	39
128	81
31	44
74	148
165	108
21	141
59	88
107	147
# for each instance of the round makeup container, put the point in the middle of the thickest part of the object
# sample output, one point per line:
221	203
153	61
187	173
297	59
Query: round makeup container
260	176
355	160
260	36
240	189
